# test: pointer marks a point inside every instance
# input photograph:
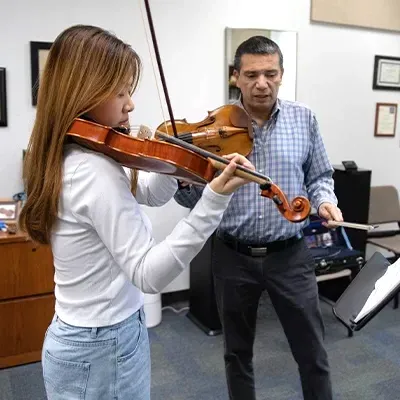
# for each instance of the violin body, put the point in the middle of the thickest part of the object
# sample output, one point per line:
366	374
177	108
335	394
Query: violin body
225	130
143	154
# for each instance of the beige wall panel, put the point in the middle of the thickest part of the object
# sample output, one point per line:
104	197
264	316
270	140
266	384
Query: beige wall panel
377	14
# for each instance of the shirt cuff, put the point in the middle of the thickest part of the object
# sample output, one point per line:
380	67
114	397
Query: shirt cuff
325	200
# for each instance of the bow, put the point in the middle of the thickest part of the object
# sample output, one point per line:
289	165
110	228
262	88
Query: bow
160	68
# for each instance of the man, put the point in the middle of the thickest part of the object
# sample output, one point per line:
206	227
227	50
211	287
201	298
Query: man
256	247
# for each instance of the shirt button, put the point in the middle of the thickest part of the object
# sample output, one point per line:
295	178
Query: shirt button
260	216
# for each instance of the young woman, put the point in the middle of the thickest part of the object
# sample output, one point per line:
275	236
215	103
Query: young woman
82	203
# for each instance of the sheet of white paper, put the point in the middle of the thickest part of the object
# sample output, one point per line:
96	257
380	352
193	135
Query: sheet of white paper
383	286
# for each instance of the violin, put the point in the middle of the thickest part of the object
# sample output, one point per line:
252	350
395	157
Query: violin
225	130
172	156
142	153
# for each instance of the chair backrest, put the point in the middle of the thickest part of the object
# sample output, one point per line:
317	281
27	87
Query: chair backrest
384	206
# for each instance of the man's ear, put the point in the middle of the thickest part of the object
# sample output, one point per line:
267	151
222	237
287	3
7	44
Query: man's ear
234	78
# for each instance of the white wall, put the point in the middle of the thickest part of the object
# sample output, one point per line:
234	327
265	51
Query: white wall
287	42
335	67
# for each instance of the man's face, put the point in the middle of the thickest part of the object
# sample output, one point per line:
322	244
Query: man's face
259	79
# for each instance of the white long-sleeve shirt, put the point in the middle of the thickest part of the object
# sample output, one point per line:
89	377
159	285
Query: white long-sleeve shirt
104	254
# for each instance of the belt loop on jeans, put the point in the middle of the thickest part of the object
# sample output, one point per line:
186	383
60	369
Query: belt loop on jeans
93	333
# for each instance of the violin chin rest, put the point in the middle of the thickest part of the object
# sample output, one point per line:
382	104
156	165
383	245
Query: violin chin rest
241	119
144	132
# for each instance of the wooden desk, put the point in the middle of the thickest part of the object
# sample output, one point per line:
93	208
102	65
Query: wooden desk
26	298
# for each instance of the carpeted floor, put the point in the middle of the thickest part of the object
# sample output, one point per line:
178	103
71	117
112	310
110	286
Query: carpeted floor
188	365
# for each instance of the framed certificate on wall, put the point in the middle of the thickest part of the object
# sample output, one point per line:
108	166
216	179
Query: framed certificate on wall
385	119
3	98
39	53
386	73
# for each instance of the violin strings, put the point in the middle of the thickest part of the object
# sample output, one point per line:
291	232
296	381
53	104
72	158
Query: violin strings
152	64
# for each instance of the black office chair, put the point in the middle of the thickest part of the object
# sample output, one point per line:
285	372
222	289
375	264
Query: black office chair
384	209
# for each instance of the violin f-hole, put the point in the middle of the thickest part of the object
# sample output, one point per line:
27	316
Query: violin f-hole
213	149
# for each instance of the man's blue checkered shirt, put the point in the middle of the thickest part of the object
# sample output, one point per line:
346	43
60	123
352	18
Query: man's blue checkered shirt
289	149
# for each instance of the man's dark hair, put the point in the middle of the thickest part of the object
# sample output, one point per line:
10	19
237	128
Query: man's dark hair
257	45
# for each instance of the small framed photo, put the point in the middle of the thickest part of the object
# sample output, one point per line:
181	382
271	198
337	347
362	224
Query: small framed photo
39	53
386	73
385	119
3	97
9	210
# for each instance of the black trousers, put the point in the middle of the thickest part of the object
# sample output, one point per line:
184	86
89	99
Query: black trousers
289	278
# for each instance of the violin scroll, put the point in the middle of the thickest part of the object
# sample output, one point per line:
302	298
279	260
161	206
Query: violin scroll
297	211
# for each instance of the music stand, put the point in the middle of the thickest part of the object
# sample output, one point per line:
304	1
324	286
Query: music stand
351	302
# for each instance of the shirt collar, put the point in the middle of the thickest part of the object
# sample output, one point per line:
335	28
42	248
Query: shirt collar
275	111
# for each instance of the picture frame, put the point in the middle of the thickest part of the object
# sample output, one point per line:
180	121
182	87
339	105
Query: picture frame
39	52
9	210
386	73
3	97
385	119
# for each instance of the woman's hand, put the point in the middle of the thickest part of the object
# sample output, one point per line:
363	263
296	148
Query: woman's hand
226	182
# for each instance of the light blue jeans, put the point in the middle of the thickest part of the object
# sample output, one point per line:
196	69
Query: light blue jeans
107	363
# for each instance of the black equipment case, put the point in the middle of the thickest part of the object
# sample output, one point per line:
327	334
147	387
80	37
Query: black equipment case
331	248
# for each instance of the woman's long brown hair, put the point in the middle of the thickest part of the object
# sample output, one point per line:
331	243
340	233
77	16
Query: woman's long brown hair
86	65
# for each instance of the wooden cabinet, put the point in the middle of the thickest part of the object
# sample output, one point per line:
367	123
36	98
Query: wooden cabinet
26	298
